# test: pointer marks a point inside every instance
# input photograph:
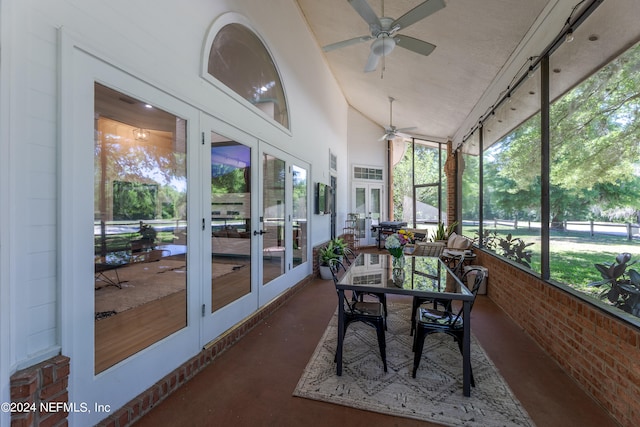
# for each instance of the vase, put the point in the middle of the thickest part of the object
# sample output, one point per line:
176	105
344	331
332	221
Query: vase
398	262
397	276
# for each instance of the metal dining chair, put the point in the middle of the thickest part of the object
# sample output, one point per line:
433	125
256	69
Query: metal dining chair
349	257
370	313
430	321
418	301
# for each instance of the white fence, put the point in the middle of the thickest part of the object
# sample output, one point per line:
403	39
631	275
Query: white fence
628	230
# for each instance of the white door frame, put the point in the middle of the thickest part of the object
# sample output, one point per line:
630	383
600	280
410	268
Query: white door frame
216	323
367	236
120	383
291	275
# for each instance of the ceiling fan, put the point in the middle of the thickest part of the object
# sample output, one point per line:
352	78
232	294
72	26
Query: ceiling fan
392	132
384	30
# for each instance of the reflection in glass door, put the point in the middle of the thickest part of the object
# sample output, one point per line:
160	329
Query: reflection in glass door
273	218
140	228
230	221
368	207
299	212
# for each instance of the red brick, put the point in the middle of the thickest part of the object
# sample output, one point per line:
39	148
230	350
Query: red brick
52	419
22	420
123	418
52	390
47	375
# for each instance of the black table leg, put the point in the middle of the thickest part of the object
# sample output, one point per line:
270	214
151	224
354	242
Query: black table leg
466	347
340	331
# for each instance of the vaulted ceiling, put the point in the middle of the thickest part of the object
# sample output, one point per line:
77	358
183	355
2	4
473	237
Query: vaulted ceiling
480	46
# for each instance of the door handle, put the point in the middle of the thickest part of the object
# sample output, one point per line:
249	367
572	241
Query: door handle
256	232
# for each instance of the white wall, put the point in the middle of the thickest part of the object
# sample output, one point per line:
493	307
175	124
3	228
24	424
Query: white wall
159	42
365	149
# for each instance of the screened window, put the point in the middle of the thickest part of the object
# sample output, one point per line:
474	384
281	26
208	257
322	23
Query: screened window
593	168
595	180
419	183
470	167
241	61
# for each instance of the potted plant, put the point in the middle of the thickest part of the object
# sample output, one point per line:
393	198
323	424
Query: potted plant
620	287
442	232
338	246
147	240
326	255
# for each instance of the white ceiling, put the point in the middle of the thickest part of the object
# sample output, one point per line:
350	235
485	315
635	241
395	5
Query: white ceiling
480	46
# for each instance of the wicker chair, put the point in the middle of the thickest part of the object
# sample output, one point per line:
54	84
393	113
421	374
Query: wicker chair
428	249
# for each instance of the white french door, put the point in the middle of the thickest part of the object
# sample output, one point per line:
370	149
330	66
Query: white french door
282	230
229	287
367	203
256	208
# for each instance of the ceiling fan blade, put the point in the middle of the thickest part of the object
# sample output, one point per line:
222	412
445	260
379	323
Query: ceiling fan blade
364	10
417	13
346	43
372	62
387	136
414	45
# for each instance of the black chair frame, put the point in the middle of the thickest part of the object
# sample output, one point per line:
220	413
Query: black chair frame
432	321
418	301
370	313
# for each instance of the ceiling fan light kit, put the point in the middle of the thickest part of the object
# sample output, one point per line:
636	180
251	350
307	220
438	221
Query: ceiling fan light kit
384	31
383	45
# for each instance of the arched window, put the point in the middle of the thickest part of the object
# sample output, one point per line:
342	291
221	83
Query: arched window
240	60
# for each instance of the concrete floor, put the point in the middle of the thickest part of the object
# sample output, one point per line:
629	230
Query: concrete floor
251	384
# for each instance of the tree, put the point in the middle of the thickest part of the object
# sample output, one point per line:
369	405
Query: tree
595	150
425	169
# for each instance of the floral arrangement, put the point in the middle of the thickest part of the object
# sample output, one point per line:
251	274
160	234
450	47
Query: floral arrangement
396	242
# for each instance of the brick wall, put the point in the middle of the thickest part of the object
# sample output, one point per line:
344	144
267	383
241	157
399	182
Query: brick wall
599	351
38	386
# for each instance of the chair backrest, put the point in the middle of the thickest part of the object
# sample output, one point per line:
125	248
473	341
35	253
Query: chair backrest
479	277
337	270
458	268
349	255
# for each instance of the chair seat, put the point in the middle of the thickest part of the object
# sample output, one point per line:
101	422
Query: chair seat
430	317
368	308
430	321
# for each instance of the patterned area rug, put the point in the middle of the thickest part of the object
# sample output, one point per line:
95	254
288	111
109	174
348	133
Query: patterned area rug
435	395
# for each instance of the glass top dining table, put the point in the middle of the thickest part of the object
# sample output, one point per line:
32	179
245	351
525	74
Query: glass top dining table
427	277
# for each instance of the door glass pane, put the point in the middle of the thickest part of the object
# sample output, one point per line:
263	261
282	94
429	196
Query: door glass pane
273	243
375	205
360	210
140	229
230	221
299	212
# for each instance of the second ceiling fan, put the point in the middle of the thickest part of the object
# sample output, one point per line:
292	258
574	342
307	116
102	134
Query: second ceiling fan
391	132
385	31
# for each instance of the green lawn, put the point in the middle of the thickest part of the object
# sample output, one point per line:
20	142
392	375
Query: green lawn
573	254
